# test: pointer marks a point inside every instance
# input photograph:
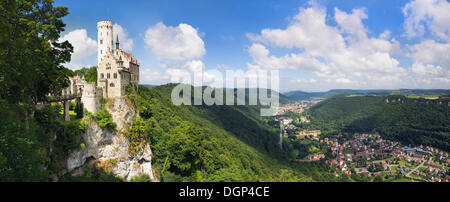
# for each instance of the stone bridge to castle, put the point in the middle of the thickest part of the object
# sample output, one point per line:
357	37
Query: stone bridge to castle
66	99
73	92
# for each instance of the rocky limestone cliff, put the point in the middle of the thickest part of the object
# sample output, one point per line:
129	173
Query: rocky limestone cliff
109	149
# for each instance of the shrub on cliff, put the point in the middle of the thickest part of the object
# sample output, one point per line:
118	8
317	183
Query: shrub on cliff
136	133
104	119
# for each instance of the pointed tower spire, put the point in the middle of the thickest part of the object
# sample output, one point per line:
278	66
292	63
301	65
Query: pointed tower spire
117	42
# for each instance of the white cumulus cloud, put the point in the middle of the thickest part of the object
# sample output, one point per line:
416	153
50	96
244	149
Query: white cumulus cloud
433	15
431	58
351	23
83	47
125	42
175	43
147	76
341	54
432	52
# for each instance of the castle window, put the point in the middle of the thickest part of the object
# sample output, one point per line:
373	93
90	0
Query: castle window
101	41
108	75
102	75
115	75
108	66
111	85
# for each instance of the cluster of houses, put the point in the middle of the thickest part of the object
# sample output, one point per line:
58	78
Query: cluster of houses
297	107
369	154
313	134
284	120
315	157
365	152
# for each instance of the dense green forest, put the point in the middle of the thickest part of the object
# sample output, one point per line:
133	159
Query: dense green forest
31	67
89	74
409	120
217	143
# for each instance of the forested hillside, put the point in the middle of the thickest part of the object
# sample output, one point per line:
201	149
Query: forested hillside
412	121
216	143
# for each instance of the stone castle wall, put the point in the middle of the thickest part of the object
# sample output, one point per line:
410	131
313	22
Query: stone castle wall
91	97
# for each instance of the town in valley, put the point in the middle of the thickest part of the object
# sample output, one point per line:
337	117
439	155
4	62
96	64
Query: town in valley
365	154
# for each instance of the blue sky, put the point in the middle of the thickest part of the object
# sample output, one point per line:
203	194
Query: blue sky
316	45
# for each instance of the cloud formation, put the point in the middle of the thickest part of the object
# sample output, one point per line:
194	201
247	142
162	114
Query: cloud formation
431	58
151	77
175	43
83	47
125	43
341	54
433	15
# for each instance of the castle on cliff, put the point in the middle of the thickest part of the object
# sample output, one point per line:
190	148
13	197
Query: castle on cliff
116	71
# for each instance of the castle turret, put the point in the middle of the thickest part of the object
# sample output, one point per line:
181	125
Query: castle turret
117	42
105	38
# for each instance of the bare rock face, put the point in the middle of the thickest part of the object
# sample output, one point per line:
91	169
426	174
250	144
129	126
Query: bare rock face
110	148
121	112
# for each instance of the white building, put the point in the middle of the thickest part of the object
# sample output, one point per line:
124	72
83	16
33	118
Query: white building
117	69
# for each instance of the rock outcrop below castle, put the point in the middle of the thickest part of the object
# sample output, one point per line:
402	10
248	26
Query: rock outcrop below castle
109	150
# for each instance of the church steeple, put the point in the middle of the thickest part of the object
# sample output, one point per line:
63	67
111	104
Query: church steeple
117	42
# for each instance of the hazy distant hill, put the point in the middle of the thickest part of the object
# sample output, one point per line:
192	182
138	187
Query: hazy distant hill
302	95
421	91
149	85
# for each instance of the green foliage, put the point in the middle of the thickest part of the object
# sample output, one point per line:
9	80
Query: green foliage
296	149
104	119
69	135
213	143
142	178
91	175
31	57
136	134
411	121
130	90
90	74
72	105
22	150
31	67
108	177
103	101
287	176
130	95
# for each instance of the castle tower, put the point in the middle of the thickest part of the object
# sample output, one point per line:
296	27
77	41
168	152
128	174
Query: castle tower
117	43
104	39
